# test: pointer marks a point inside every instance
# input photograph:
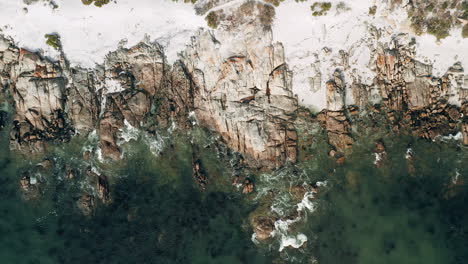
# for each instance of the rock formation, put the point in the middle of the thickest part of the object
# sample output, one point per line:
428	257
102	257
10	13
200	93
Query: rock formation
427	106
233	80
336	121
38	88
244	87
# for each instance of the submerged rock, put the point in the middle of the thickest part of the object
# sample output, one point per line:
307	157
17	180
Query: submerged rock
86	204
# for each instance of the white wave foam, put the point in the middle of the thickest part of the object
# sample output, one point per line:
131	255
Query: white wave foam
156	143
129	132
457	137
281	231
409	153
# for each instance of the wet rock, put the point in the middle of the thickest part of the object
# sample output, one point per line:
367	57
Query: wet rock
103	189
198	174
87	155
99	185
263	227
71	174
298	192
247	186
380	154
25	183
29	186
86	204
131	106
237	62
430	106
465	133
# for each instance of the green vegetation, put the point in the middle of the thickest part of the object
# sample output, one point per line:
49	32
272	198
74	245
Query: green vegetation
438	27
275	2
430	7
433	17
465	31
53	40
186	1
445	5
464	7
267	13
320	8
212	19
372	10
342	7
98	3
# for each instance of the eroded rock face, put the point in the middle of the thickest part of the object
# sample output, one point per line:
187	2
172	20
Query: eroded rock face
334	119
428	106
404	88
38	89
244	88
235	81
83	100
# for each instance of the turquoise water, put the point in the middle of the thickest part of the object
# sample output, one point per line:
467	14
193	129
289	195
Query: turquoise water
158	215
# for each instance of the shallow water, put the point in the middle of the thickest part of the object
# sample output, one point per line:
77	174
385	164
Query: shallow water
158	215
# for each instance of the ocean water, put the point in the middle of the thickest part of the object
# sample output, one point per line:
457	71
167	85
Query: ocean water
390	214
158	214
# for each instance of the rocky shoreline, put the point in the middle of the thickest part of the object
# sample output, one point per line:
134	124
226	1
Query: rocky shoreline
233	81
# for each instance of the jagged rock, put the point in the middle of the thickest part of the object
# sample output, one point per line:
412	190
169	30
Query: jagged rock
86	204
129	105
103	189
25	183
429	106
29	186
244	88
87	155
198	174
71	174
334	118
3	119
247	186
83	101
38	90
109	128
235	80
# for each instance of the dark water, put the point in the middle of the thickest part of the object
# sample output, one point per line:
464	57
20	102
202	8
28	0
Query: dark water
388	215
367	215
158	216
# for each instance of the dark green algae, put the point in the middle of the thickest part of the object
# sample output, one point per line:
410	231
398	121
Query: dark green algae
158	215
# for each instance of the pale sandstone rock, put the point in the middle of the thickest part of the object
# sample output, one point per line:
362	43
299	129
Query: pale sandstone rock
244	88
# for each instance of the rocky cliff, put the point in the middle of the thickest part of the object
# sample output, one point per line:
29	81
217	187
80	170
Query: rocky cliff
234	80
